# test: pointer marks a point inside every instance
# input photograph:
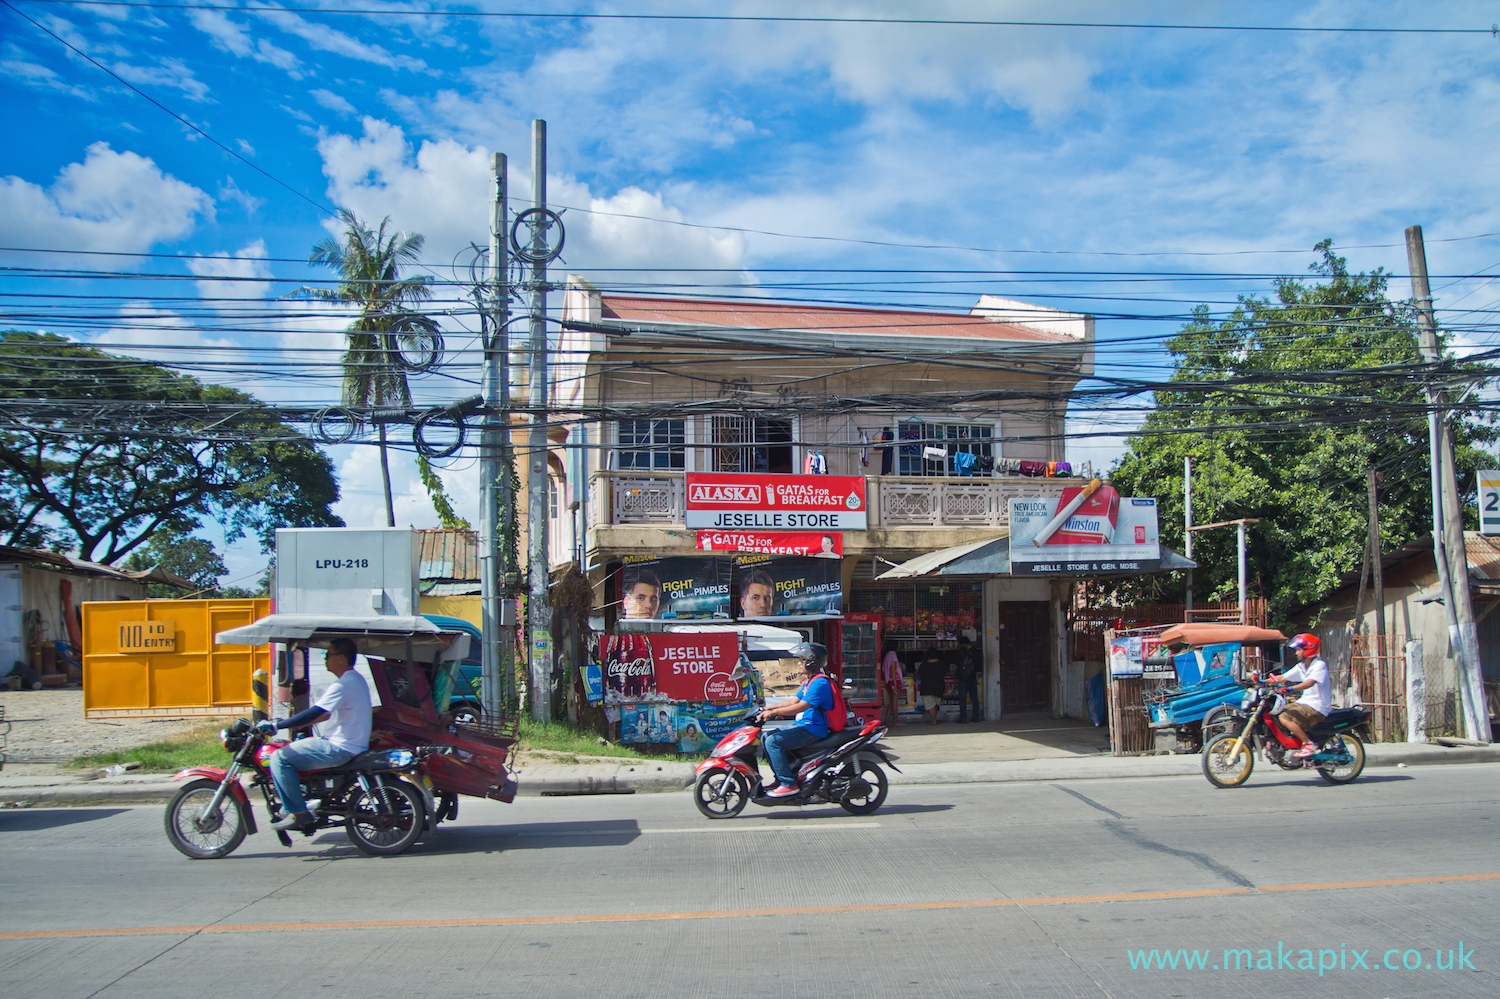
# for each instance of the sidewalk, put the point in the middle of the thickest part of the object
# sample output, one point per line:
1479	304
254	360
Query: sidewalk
50	789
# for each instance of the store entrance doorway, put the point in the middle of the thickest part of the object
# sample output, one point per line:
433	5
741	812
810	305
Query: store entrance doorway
1025	645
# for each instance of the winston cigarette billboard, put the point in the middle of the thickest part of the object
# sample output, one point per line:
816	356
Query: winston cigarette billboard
1089	528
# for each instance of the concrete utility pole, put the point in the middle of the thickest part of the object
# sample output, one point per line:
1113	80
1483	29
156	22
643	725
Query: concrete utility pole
1187	530
538	611
1447	519
495	499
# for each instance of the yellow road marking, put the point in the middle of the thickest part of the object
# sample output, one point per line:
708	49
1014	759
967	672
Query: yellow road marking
811	910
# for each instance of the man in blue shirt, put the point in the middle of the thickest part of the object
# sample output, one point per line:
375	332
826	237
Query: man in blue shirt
810	706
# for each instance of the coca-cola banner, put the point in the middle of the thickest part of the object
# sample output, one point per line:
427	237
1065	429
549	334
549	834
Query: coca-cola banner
779	585
685	588
694	666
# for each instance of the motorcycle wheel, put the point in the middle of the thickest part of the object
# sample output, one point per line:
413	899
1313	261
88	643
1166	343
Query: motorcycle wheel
1223	770
219	836
1346	773
868	771
387	822
721	793
1217	722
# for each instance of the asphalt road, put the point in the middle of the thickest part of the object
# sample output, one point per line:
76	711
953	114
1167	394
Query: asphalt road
1033	890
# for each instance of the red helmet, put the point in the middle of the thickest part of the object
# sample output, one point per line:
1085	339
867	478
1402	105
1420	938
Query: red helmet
1306	642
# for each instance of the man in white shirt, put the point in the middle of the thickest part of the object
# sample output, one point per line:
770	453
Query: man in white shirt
345	710
1310	676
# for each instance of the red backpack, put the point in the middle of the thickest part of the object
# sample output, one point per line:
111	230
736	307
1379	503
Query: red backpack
838	715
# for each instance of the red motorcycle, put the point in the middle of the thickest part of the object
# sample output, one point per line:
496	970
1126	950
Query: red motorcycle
382	798
842	769
1228	758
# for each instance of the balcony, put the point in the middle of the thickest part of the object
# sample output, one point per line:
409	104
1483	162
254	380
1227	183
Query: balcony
660	498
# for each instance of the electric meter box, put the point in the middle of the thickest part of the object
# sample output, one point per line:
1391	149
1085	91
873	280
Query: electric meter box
348	570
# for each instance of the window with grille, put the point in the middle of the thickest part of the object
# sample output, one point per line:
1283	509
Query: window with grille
971	438
652	445
752	444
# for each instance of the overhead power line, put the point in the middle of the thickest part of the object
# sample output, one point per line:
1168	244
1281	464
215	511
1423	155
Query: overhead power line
777	19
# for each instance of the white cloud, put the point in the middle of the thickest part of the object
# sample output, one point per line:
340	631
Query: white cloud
39	77
441	189
172	73
326	39
332	101
248	262
230	191
110	201
234	38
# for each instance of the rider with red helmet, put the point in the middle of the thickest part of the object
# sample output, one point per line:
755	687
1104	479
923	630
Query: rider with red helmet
1310	677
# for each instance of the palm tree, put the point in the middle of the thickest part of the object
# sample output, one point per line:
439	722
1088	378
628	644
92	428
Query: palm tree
387	329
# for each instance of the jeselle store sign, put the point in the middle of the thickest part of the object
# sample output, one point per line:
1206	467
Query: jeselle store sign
774	543
1087	529
687	667
731	501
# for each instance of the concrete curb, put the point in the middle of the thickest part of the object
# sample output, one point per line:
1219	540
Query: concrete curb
671	777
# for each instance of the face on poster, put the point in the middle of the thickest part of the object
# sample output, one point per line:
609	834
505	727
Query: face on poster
648	723
776	585
684	588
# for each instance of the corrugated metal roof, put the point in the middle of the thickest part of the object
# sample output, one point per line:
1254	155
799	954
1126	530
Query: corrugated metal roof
816	319
1484	555
449	555
71	564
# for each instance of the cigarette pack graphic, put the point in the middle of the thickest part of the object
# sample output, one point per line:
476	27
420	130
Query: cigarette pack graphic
1086	515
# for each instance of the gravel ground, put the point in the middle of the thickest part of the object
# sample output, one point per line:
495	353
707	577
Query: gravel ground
47	727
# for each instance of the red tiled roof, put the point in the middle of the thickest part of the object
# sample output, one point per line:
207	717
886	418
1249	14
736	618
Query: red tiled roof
743	314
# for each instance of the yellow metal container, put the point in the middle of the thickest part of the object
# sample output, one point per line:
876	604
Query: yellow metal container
132	667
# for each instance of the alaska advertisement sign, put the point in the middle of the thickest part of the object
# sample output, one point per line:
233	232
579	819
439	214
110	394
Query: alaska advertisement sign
729	501
1089	528
810	543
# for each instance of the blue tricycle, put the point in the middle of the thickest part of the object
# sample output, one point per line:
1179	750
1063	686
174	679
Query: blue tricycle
1205	666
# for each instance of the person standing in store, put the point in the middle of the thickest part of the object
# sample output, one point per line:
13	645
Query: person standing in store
931	676
892	680
967	673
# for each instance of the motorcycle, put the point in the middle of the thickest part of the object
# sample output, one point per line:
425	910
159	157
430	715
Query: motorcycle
381	797
1229	756
842	769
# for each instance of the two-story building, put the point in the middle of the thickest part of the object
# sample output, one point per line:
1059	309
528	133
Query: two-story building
944	415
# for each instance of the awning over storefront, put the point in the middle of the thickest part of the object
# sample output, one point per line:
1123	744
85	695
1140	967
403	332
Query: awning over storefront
992	558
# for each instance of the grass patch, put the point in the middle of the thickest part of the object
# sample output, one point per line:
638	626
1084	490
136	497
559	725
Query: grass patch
561	738
195	748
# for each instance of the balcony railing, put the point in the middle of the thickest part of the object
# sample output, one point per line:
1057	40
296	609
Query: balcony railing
636	497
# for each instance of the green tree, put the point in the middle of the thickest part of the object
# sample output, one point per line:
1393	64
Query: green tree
100	452
369	265
194	559
1284	405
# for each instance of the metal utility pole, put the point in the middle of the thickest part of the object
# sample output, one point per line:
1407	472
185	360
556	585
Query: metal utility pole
1187	530
538	611
1447	519
1244	578
1373	480
495	499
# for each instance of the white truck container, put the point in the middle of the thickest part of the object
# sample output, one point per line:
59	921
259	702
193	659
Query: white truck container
12	642
346	570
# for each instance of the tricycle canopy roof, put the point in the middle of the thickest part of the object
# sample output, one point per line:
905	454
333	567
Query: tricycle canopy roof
379	635
1213	634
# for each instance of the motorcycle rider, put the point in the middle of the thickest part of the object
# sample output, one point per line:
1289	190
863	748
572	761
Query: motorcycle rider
813	699
346	705
1310	676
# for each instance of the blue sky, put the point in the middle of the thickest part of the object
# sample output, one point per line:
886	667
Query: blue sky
1180	149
